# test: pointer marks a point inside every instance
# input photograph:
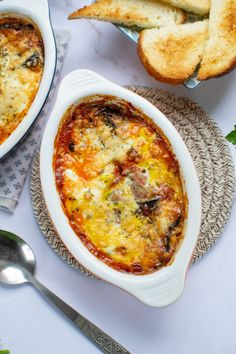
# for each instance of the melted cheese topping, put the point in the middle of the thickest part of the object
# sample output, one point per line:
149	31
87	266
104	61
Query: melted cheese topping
21	68
119	184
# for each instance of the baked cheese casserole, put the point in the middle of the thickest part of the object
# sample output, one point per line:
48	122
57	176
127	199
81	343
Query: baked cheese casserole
119	183
21	68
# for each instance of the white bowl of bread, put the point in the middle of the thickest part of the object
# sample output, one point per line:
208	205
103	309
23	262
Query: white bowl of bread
178	40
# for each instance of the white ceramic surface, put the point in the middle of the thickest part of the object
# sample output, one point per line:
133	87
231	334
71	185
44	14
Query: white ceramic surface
38	12
164	286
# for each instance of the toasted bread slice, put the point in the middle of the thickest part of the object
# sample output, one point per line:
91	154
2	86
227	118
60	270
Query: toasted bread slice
172	54
140	13
200	7
220	53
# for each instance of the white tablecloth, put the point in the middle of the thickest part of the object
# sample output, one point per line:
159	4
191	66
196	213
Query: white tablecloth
202	321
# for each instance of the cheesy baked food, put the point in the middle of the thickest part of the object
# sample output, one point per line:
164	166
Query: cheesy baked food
21	68
119	183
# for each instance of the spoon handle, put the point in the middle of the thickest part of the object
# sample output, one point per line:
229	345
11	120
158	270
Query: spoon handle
102	340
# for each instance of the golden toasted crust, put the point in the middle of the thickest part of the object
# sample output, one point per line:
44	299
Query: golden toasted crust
220	53
200	7
172	55
150	69
140	13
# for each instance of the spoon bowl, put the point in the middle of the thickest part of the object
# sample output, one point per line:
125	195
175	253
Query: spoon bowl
16	258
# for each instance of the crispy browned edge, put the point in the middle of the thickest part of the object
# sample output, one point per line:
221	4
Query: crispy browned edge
79	14
231	67
150	68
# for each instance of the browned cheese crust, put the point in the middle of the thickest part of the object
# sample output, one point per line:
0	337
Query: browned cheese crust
21	68
120	184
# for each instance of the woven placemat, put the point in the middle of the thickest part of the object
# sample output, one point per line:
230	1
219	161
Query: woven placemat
212	159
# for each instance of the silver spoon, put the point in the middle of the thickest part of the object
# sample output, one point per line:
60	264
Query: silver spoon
17	266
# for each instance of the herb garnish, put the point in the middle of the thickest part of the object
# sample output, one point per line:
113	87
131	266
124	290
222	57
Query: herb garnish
4	351
232	136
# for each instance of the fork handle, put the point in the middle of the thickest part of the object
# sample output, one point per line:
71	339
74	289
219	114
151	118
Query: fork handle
102	340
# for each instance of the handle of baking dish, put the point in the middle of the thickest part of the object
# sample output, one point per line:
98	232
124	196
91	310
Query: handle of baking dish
40	6
79	79
163	293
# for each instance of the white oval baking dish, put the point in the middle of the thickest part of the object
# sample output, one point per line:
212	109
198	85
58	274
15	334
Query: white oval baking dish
38	12
164	286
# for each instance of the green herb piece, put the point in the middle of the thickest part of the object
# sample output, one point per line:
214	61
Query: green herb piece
232	136
4	352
